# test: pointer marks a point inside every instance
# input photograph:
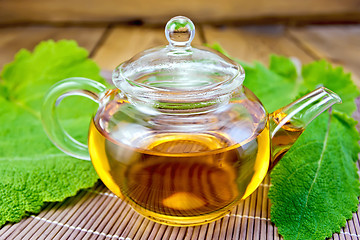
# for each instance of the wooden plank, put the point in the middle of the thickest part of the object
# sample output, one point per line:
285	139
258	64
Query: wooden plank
337	44
256	43
122	43
13	39
15	11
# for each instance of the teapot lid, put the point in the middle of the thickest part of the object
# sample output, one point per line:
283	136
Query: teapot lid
178	67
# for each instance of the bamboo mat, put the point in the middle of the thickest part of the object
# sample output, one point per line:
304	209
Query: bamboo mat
96	213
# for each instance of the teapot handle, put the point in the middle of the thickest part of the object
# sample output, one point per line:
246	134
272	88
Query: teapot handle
56	133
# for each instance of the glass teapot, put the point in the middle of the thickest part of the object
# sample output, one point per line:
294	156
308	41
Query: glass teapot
180	138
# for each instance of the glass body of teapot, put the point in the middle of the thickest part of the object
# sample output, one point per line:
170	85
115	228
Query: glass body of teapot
180	138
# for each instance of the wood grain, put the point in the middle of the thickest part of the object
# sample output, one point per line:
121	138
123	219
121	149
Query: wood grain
337	44
13	39
159	11
122	43
256	43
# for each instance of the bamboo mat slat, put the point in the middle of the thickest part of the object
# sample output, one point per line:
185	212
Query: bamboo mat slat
98	214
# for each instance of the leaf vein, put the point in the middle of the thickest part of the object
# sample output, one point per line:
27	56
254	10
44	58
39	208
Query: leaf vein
320	159
317	170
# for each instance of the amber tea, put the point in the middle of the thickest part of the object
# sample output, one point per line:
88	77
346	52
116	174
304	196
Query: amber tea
178	176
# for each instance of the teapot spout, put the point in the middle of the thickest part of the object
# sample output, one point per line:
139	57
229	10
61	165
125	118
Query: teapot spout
287	123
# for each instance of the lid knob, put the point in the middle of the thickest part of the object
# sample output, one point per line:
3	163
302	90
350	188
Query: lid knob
180	31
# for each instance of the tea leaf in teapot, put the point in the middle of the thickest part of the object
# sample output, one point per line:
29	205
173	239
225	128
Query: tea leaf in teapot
32	169
315	185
